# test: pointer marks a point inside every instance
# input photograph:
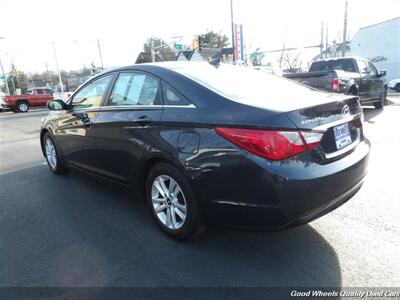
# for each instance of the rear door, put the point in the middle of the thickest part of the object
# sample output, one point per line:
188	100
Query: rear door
127	124
75	133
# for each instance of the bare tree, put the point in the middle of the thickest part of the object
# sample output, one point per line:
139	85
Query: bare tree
290	62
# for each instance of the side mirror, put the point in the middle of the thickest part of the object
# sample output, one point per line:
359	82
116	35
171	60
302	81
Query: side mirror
56	105
382	73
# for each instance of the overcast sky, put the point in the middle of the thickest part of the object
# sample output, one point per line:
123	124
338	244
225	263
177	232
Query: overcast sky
30	26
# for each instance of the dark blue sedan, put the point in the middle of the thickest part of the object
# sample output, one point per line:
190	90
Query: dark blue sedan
212	144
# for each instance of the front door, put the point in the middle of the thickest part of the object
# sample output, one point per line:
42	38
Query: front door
377	82
366	80
40	99
127	125
75	133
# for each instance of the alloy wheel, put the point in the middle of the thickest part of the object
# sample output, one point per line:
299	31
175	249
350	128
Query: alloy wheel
23	107
169	202
51	153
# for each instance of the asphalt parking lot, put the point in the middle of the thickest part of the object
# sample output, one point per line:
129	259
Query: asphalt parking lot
76	230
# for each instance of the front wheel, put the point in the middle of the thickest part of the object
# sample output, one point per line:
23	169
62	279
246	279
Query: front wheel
23	106
382	100
52	156
172	202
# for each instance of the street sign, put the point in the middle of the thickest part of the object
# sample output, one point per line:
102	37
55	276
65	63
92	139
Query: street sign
178	46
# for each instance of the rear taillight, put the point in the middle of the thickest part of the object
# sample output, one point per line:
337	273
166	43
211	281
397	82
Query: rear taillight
335	84
271	144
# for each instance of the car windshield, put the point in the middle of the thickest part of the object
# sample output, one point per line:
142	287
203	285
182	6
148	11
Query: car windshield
330	65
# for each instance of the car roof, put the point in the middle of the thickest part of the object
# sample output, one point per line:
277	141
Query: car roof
344	57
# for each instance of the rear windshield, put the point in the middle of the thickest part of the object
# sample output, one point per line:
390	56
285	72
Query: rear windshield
240	84
330	65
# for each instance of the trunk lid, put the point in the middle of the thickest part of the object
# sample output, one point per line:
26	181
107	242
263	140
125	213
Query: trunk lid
339	120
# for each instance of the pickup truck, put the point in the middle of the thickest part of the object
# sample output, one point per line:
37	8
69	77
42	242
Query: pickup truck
347	75
34	97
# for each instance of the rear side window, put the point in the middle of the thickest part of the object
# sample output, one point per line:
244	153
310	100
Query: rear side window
173	97
49	92
135	88
39	92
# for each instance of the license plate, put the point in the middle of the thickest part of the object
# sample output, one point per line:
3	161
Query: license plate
342	135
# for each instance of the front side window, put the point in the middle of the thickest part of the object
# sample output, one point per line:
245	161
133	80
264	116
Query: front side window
91	95
39	92
172	96
135	89
372	70
363	67
49	92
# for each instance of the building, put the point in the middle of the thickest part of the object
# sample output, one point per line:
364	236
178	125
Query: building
380	43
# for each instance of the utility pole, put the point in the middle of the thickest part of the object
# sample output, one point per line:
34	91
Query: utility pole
153	54
322	40
326	39
58	70
5	79
101	58
48	74
233	33
344	30
13	84
4	75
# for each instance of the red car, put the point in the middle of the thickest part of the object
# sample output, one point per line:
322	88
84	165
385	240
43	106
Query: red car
35	97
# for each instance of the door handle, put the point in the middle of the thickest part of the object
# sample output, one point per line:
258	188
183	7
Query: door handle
142	121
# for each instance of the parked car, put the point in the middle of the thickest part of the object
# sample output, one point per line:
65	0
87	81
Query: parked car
269	70
395	85
34	97
348	75
211	144
2	104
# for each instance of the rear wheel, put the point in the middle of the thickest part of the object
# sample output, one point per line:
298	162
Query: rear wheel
22	106
353	91
53	159
382	100
172	202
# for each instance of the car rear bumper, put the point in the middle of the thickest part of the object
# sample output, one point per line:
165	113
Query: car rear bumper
292	194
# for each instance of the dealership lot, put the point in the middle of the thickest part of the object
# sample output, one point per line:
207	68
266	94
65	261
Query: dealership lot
76	230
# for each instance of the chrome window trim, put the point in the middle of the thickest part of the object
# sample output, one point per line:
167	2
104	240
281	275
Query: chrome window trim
134	107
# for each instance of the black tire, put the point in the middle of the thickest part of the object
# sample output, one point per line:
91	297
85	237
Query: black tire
59	167
353	91
397	88
192	226
382	100
23	106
